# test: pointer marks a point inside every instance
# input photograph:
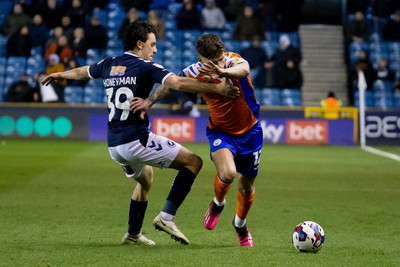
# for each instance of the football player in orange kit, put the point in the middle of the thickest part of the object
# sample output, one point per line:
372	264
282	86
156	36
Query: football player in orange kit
234	132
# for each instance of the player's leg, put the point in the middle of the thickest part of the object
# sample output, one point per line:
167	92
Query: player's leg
247	163
189	165
226	172
245	197
137	209
143	175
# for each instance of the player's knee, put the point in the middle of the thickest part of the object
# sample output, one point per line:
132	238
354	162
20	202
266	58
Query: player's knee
246	189
227	175
195	163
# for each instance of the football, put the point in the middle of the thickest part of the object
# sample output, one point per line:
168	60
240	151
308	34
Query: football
308	236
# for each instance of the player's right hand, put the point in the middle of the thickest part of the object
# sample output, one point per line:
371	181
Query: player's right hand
228	90
52	77
139	104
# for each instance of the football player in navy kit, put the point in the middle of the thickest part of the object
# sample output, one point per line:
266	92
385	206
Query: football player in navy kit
130	142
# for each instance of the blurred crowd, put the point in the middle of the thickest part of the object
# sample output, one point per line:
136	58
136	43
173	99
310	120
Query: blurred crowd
62	32
372	42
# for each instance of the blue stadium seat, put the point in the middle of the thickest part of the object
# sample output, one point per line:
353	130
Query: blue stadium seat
93	94
73	94
383	86
383	99
35	64
3	45
396	100
3	61
290	97
269	47
270	97
191	35
232	45
174	36
369	100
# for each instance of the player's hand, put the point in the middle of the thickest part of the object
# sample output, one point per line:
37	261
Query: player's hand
139	104
52	77
211	70
228	90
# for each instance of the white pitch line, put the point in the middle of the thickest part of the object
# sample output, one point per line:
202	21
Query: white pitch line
381	153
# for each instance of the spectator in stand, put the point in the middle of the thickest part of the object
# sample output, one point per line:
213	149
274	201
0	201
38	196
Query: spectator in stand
54	35
131	15
102	4
357	29
38	32
248	25
54	65
286	60
15	20
352	6
269	14
51	13
78	43
142	5
382	8
383	72
157	21
21	91
363	64
212	17
256	57
77	13
20	43
234	9
96	34
68	29
289	15
391	32
188	17
61	48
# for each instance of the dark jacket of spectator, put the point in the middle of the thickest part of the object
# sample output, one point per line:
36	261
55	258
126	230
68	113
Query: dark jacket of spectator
15	20
188	17
96	34
20	44
248	26
391	32
38	31
20	91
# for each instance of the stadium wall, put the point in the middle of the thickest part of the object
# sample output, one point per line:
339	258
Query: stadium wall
280	125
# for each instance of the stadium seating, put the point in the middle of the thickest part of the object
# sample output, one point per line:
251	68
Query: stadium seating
290	97
369	100
175	52
73	94
270	97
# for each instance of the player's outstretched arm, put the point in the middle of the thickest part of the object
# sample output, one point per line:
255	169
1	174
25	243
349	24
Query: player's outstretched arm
195	86
237	71
73	74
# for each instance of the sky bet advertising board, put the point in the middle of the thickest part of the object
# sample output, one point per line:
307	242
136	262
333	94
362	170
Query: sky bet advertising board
279	127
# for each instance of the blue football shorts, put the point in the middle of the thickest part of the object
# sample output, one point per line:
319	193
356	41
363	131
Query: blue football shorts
246	148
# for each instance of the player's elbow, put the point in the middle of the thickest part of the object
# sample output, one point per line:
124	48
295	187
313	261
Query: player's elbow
175	82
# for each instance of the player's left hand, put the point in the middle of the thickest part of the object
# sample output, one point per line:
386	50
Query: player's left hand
52	77
139	104
211	70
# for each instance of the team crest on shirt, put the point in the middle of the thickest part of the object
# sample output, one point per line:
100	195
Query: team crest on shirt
217	142
117	70
170	143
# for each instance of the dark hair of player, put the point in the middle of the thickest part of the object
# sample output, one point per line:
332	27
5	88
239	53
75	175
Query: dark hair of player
210	46
137	31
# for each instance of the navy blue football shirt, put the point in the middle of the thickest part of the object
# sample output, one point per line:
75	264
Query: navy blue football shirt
125	77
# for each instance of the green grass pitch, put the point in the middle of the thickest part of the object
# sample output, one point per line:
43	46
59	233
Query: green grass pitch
66	204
